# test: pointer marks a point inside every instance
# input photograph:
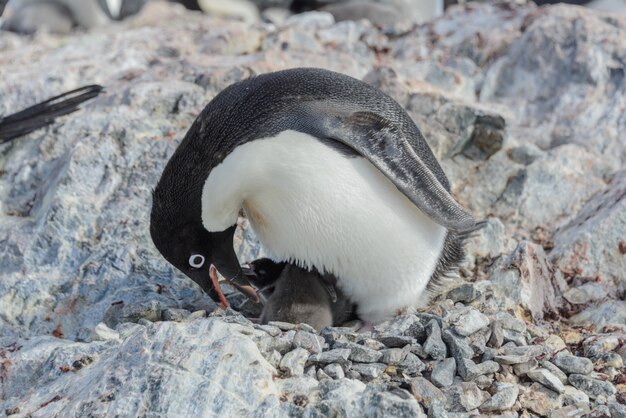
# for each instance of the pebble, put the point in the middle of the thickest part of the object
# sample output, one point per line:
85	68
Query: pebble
293	362
497	336
393	355
369	371
274	358
321	375
523	368
174	314
465	397
554	370
555	343
396	341
504	398
337	355
270	329
470	322
592	387
360	353
547	379
600	411
512	359
510	322
426	393
571	337
436	410
617	410
411	365
540	400
468	370
334	371
569	411
610	360
434	345
598	345
573	395
443	373
465	293
283	326
485	381
373	344
309	341
572	364
310	372
457	346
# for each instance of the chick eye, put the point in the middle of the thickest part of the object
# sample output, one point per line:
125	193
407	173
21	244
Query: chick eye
196	261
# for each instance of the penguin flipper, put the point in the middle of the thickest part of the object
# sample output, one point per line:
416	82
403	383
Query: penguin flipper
380	141
44	113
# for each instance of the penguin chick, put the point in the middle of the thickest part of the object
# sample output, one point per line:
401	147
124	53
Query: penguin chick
298	296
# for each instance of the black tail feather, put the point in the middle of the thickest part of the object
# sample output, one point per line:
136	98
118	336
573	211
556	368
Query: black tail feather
44	113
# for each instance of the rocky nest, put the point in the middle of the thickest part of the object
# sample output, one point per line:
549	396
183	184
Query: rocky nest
525	108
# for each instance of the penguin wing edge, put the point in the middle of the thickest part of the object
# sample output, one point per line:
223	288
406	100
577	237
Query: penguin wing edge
385	145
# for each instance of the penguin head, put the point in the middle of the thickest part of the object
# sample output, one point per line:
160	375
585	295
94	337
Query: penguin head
193	250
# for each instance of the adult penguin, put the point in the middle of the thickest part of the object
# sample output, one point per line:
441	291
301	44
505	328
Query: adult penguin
332	174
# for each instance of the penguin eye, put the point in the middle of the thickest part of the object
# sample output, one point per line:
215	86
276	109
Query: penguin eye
196	261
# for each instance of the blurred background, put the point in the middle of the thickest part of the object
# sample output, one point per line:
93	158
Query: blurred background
61	16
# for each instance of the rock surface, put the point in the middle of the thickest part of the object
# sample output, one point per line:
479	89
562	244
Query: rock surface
524	107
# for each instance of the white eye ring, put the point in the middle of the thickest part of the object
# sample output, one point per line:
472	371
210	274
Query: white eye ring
196	261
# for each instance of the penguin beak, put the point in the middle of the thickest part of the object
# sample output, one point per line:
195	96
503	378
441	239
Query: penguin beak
225	262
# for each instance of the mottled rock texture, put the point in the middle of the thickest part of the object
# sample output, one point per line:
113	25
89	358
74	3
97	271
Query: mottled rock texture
524	106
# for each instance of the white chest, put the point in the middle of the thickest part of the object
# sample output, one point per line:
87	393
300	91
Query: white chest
310	204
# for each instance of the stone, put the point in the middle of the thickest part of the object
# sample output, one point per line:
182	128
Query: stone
590	243
369	371
293	362
360	353
457	346
586	293
434	345
273	358
592	387
464	397
600	344
174	314
523	368
321	375
468	370
573	410
547	379
527	276
572	364
465	293
443	373
411	365
554	370
497	336
470	322
334	371
504	398
555	343
512	359
617	409
309	341
396	341
539	399
337	355
426	393
574	396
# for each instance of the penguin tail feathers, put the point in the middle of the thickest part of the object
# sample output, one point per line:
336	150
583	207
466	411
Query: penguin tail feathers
44	113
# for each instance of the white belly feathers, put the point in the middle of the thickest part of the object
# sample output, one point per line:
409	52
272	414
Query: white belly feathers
310	204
